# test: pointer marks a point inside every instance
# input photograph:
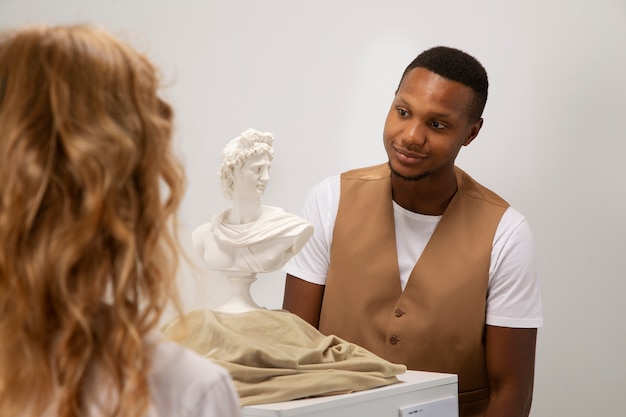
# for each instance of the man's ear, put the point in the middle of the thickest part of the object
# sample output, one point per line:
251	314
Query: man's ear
473	132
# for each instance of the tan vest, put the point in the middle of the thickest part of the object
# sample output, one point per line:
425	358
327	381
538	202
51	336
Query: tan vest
438	322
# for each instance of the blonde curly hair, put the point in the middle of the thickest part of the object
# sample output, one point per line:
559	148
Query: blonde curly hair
89	190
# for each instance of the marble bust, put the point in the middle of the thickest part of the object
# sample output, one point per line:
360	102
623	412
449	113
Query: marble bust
248	238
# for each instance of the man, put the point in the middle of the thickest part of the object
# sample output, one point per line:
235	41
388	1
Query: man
417	262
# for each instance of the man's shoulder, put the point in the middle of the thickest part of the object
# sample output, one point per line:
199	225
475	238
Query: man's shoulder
471	188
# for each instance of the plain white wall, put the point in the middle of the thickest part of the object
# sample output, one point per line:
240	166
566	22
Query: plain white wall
320	76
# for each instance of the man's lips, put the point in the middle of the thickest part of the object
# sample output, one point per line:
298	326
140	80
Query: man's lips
409	156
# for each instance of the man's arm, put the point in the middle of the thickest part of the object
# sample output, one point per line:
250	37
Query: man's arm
510	355
303	299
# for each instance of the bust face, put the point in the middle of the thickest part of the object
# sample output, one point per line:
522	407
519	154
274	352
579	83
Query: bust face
251	178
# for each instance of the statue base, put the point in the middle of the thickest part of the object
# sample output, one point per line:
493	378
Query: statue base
240	300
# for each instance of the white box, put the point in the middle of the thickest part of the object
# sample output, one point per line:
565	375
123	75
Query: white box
416	388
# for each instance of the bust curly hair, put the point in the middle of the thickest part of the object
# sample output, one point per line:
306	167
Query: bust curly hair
89	191
239	150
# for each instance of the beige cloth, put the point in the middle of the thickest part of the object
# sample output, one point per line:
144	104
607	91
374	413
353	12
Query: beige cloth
276	356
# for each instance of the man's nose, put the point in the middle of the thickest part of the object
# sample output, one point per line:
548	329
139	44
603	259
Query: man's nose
415	133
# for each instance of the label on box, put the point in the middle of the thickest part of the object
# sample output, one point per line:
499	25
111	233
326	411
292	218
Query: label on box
446	407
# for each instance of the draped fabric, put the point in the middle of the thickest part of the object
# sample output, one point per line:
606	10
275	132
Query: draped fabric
273	355
263	245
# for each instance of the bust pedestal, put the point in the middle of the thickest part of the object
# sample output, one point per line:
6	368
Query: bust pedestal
240	300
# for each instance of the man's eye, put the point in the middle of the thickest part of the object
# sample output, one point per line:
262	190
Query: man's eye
437	125
403	112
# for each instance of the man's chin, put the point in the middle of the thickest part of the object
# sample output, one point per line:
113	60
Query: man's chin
412	177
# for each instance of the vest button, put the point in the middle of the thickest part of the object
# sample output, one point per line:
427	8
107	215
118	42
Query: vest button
398	313
393	340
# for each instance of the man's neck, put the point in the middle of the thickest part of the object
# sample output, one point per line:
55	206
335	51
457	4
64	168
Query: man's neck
429	196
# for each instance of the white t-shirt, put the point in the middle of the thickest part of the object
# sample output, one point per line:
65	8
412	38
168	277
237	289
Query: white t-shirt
185	384
513	298
182	384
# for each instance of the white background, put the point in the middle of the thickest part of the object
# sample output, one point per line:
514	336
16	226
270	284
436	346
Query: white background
320	75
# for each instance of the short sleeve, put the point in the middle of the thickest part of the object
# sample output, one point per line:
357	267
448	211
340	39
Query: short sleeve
513	298
320	209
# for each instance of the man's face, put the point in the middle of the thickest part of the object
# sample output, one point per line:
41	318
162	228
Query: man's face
251	178
427	124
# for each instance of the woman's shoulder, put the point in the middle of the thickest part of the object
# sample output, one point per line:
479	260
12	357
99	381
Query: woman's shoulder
182	381
181	366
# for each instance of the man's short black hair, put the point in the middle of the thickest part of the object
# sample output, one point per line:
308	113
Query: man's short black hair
458	66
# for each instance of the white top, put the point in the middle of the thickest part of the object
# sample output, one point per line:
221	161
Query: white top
182	384
185	384
513	298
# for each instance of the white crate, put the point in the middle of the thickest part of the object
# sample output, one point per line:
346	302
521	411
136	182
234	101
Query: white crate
433	390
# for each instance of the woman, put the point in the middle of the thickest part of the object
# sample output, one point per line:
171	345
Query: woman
89	187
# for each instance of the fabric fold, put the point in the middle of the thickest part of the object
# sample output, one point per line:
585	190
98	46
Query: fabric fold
274	355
